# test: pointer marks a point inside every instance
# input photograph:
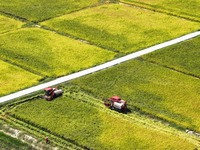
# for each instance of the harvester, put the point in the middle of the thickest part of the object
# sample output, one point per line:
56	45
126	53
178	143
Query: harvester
116	103
51	93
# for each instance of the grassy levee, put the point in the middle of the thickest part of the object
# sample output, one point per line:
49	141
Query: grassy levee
182	57
187	9
94	128
13	78
8	24
39	134
8	143
151	88
49	54
122	28
37	10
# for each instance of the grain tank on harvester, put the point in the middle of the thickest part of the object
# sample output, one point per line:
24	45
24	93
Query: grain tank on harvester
51	93
117	103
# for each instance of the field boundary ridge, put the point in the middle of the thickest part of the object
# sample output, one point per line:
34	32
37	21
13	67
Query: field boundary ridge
159	10
99	67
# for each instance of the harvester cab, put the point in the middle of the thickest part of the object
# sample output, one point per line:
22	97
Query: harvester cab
117	103
51	93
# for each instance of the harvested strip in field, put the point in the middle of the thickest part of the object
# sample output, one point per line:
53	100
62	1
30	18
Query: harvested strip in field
13	78
36	10
48	53
188	9
184	57
95	128
151	88
122	28
7	24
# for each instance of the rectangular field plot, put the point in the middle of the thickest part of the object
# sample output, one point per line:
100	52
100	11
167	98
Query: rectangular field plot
7	24
183	57
13	78
122	28
36	10
151	88
94	128
48	53
188	9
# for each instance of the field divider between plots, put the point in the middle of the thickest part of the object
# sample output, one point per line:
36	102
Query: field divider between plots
28	69
163	11
14	16
25	137
98	68
42	132
140	119
171	68
87	7
33	127
77	38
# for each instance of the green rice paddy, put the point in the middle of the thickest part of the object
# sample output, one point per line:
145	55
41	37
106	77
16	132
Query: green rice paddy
182	57
49	54
8	24
13	78
37	10
151	88
189	9
122	28
95	128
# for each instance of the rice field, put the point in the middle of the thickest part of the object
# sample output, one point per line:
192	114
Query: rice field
37	10
189	9
13	78
49	54
8	24
122	28
94	128
63	37
151	88
183	57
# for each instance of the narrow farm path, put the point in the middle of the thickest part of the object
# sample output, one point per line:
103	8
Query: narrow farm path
98	68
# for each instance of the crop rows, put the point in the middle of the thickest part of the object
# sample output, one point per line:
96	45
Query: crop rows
187	9
42	40
182	57
7	24
37	10
91	126
14	78
151	88
34	50
121	28
50	54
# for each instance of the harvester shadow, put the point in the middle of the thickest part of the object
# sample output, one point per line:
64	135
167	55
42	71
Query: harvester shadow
127	111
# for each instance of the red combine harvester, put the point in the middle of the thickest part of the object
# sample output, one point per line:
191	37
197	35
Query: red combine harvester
51	93
116	102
